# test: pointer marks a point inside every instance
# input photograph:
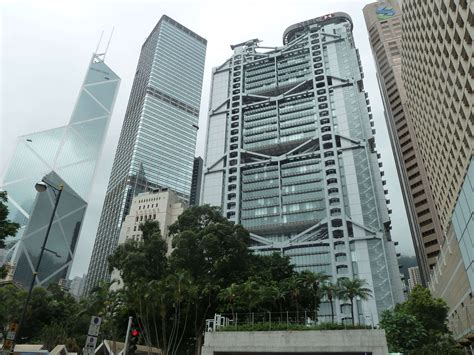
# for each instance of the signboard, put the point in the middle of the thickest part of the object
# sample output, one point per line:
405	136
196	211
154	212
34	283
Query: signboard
91	342
8	341
385	12
92	333
94	326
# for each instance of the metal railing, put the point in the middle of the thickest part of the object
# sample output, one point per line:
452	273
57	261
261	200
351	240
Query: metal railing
284	321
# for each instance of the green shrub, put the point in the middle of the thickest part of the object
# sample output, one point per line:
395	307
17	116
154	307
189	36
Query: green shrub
266	326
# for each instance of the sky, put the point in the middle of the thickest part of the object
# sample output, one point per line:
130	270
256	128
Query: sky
46	47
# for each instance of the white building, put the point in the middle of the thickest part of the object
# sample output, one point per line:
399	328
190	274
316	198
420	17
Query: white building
414	277
76	286
163	206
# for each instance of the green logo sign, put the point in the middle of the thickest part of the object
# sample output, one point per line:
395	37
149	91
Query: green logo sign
385	12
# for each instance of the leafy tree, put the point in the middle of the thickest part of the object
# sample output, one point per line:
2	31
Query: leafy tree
140	261
404	332
431	312
12	299
215	253
419	325
349	289
7	227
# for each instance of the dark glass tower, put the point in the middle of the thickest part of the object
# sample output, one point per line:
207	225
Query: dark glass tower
196	182
158	138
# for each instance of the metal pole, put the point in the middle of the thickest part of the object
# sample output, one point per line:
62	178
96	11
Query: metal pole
129	327
35	273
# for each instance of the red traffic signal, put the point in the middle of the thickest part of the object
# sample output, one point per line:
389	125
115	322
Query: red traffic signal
135	333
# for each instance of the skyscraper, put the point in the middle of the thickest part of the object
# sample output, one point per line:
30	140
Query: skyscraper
291	156
196	182
438	76
158	138
65	155
438	79
384	24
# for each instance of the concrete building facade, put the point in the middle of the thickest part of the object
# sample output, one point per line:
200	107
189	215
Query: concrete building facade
290	154
414	277
158	138
453	277
384	25
163	206
437	73
438	76
337	342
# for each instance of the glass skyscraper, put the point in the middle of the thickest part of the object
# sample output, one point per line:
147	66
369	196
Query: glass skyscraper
65	155
158	138
291	156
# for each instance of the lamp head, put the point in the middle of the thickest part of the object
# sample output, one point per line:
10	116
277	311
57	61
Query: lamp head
40	186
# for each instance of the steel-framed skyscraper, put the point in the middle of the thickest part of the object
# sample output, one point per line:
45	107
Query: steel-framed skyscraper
291	156
158	138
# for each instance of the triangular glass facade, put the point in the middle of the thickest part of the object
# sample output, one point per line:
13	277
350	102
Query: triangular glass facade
66	155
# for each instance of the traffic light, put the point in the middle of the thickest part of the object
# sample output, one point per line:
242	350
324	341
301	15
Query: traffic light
132	343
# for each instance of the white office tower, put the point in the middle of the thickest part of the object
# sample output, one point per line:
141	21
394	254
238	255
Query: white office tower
290	155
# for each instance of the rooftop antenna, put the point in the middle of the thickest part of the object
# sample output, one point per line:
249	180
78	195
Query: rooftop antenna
100	40
110	38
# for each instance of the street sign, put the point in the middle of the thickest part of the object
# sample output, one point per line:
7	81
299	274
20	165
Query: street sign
94	326
91	342
92	333
8	341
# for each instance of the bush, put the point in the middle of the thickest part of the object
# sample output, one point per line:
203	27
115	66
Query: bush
257	327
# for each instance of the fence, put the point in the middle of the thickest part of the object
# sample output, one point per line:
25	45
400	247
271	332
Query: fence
283	321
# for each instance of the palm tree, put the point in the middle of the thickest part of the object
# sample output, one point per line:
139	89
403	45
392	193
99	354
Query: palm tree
229	296
312	281
293	289
330	291
280	296
248	294
350	289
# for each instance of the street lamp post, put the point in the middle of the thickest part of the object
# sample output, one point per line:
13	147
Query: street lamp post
40	187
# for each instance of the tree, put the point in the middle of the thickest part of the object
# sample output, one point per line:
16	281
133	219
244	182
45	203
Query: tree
12	299
330	290
404	332
215	253
431	312
248	295
419	325
311	281
229	296
141	261
7	227
349	289
280	296
293	288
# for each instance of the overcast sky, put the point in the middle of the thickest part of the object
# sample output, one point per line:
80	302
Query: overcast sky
46	47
